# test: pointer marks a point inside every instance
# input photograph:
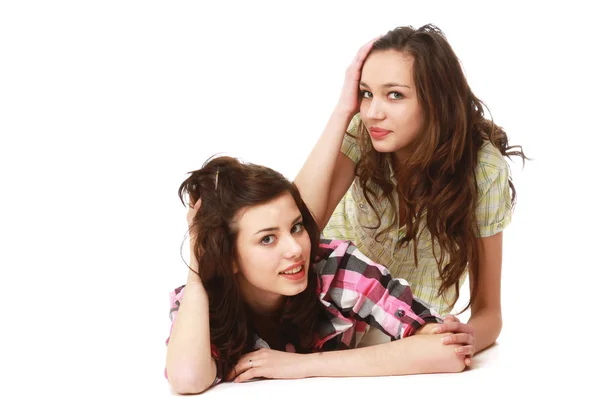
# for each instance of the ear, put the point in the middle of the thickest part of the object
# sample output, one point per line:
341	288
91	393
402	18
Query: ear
236	269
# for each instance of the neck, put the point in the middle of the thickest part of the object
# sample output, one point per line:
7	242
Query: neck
259	302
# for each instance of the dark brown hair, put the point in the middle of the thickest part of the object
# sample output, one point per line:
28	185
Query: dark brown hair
241	185
439	175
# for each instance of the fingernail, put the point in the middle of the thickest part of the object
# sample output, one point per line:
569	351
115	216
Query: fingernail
468	361
436	330
445	339
459	349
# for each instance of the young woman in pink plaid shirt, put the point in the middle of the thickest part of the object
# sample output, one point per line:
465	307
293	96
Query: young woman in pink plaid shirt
267	298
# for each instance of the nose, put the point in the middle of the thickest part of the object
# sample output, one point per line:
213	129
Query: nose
293	249
375	110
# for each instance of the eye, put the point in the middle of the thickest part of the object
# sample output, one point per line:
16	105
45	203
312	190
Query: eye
267	240
299	227
366	94
396	95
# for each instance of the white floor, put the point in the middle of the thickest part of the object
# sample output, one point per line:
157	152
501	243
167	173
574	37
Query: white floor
104	107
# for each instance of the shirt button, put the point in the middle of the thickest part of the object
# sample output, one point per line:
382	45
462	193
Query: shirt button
400	313
361	205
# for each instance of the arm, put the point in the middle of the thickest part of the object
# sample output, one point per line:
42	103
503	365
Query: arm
485	323
319	190
486	312
358	288
190	366
414	355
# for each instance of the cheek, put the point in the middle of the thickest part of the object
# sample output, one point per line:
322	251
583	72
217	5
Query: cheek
306	245
407	118
258	263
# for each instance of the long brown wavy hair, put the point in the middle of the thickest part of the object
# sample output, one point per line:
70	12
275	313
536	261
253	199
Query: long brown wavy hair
214	228
438	178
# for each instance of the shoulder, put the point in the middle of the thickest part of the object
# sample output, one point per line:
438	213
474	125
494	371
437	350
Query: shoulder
350	145
491	165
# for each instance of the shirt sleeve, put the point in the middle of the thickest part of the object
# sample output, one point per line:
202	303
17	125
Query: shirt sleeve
350	144
175	298
494	206
362	289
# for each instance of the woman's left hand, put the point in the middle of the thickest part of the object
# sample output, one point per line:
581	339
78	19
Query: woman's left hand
273	364
455	332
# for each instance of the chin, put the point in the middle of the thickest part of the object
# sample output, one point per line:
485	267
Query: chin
387	146
296	288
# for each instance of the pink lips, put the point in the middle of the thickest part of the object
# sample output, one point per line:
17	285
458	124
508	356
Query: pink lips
378	133
298	275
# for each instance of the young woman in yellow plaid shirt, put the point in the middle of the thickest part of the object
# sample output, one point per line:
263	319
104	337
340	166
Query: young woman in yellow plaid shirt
419	180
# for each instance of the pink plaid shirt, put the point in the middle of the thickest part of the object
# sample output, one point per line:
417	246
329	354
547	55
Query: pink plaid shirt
356	293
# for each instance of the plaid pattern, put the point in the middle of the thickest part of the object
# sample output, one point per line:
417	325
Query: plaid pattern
357	293
353	215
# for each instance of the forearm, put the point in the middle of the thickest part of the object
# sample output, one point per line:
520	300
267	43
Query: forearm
487	325
315	177
412	355
190	367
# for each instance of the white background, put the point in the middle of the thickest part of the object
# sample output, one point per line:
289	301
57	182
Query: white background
105	106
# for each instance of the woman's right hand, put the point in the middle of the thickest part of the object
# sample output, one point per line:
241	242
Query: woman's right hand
349	101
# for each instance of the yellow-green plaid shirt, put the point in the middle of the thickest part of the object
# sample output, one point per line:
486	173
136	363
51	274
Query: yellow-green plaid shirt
353	214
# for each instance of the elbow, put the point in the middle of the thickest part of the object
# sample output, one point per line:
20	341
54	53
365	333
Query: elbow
444	359
188	380
448	361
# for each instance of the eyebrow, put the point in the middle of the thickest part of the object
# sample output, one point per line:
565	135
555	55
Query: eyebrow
275	229
386	85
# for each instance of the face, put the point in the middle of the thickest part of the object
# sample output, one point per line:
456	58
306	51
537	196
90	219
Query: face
273	252
389	106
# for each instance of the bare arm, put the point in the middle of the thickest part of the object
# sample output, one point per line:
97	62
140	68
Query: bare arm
413	355
485	323
320	191
423	354
315	181
190	366
486	312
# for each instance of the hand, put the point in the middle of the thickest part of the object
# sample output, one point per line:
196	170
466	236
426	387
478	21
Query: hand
455	332
273	364
349	101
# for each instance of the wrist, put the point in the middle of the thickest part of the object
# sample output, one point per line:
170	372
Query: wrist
427	329
312	364
344	112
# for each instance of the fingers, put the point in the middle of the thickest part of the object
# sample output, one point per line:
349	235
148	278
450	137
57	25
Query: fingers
249	374
465	350
451	318
247	362
361	55
459	338
232	374
242	366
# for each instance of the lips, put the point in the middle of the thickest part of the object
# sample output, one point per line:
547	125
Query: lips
378	133
294	272
293	267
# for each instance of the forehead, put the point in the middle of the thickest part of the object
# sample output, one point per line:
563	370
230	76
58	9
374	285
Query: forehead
275	213
387	66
